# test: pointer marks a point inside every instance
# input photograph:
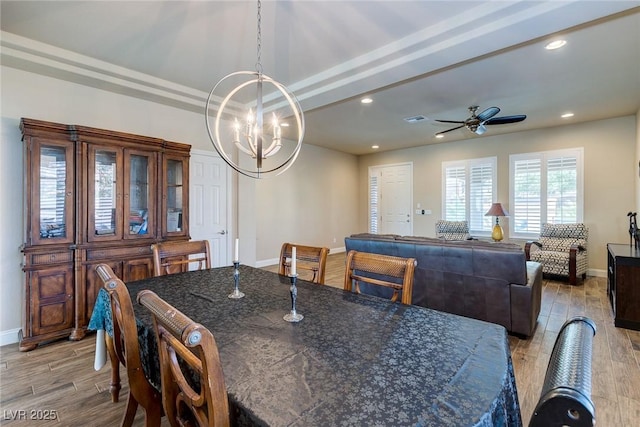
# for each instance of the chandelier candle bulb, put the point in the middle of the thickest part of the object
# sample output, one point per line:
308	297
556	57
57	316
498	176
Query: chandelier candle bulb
293	261
236	131
277	132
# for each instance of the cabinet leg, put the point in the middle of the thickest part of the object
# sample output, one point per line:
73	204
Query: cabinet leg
27	347
77	334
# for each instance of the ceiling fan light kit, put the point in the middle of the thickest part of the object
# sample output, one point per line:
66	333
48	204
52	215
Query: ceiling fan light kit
476	123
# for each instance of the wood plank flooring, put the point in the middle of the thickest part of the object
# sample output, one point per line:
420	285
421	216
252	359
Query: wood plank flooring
59	377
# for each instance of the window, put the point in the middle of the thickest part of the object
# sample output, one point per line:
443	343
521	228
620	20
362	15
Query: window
545	187
469	188
373	203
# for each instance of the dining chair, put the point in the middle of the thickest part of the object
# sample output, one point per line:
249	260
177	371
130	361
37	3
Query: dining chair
380	270
565	399
180	339
176	257
125	346
309	258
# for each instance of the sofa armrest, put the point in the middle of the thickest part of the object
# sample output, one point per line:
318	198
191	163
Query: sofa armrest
526	301
527	248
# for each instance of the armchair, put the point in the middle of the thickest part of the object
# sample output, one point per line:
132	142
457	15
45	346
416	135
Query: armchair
561	249
452	230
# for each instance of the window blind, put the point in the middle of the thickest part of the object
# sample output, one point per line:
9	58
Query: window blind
526	206
469	188
455	191
545	187
373	204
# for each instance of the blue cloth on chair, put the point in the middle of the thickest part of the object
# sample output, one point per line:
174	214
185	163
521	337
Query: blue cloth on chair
101	316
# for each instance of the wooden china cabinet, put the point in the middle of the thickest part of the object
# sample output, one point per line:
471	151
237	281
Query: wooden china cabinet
93	196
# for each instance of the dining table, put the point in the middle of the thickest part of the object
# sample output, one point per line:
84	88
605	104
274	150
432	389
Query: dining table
353	360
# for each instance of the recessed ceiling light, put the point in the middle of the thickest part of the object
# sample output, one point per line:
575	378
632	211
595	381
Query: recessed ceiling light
556	44
366	100
439	135
566	115
375	147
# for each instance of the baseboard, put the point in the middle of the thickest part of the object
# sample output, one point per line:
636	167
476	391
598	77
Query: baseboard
11	336
596	272
274	261
266	262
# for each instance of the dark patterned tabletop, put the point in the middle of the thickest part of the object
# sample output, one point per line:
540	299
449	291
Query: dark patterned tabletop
354	360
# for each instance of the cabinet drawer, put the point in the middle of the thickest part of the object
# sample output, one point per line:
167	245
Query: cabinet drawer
60	257
119	253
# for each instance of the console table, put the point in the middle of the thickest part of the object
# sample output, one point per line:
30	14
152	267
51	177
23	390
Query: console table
623	274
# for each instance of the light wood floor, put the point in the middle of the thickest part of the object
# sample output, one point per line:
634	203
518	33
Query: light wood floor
60	377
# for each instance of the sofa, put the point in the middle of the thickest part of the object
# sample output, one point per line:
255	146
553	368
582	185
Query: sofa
483	280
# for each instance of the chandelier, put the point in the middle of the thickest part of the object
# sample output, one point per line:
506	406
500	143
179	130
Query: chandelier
252	135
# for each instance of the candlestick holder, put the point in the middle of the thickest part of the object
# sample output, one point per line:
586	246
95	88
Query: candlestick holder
293	316
236	294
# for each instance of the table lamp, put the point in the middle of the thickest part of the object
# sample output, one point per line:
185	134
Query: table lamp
497	210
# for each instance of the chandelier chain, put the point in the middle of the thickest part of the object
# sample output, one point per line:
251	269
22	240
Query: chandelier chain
259	39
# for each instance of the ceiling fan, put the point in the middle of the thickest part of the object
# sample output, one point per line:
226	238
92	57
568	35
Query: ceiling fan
476	123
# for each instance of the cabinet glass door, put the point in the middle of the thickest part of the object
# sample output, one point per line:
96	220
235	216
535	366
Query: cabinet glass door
139	195
175	196
53	194
105	197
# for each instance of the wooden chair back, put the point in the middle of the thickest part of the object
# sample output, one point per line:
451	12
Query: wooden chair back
310	258
377	269
180	339
176	257
126	347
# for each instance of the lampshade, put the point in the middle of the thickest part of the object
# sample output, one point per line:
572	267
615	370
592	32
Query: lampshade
496	209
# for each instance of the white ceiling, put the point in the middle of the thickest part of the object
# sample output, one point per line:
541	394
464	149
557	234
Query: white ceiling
431	58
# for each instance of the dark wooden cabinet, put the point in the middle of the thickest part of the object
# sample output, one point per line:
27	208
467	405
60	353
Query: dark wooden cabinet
623	280
93	196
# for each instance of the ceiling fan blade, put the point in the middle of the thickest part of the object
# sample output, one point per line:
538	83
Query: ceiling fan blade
449	130
449	121
488	113
480	130
505	119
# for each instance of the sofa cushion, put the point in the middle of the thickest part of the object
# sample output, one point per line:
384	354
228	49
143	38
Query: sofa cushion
418	239
374	236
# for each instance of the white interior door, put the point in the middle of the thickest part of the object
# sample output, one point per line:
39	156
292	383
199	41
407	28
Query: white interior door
208	201
395	199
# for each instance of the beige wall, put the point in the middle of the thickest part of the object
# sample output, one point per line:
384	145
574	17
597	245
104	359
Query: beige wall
637	162
312	202
610	162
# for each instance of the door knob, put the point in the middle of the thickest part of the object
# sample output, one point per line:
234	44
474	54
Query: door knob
222	232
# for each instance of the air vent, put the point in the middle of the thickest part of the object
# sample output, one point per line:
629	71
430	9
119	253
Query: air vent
414	119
